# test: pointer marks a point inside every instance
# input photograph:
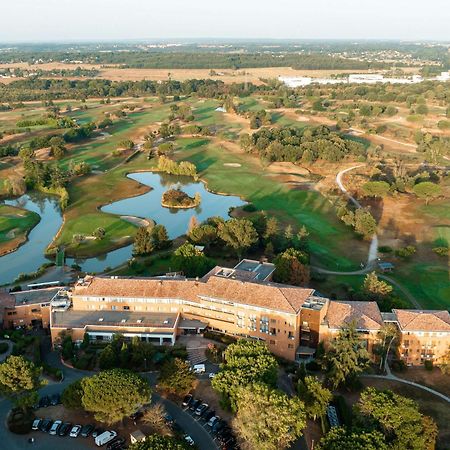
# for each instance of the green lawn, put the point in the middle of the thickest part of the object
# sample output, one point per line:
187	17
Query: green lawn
329	237
15	224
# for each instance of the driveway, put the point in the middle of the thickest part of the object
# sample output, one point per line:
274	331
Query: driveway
3	356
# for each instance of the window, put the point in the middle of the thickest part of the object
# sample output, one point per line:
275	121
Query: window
114	307
252	323
273	331
291	335
240	320
290	346
264	324
35	310
126	308
272	342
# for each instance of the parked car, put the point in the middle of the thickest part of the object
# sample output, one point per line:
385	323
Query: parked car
45	426
55	399
218	426
86	430
36	424
168	418
44	402
65	428
55	427
105	437
75	431
189	440
97	432
195	404
187	400
202	409
212	421
211	375
208	415
116	444
199	368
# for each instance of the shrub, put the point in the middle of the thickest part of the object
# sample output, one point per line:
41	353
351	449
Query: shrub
344	412
399	365
406	252
385	249
249	207
219	337
20	421
428	365
441	251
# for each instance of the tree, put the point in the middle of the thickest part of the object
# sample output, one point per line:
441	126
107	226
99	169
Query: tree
315	396
193	223
108	358
72	395
239	234
191	261
427	190
373	286
271	228
267	419
365	224
157	442
346	356
247	362
388	334
143	243
99	233
203	234
398	418
176	377
19	380
340	438
375	188
160	237
15	185
114	394
291	267
155	418
126	144
445	363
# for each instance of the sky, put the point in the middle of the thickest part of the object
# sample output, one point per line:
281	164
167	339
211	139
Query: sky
94	20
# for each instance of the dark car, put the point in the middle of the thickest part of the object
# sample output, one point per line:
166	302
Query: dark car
44	402
187	400
65	428
116	444
55	399
86	430
195	404
45	425
202	409
218	426
208	415
97	432
168	418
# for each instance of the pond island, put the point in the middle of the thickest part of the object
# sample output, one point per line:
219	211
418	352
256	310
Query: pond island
176	198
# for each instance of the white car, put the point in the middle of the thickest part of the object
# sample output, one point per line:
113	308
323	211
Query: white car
213	420
211	375
55	427
104	438
75	431
189	440
36	424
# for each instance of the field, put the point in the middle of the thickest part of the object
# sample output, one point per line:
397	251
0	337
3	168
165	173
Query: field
296	195
15	224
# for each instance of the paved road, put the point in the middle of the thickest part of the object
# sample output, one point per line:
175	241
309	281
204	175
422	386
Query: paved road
10	441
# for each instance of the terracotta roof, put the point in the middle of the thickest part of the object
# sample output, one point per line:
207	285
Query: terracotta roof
366	315
422	320
264	295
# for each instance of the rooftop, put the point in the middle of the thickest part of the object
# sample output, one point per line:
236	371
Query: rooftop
260	294
35	296
422	320
80	319
366	315
262	271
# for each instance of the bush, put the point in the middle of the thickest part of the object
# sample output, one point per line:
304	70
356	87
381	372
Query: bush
20	421
406	252
441	251
313	366
399	365
385	249
219	337
428	365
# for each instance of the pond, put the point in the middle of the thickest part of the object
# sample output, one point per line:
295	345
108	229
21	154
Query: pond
28	257
31	255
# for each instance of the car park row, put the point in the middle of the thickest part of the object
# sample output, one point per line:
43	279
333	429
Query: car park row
213	424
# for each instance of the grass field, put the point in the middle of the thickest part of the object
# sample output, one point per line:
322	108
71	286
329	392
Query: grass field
15	224
256	184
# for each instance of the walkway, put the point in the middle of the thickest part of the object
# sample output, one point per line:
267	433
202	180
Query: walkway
390	376
3	356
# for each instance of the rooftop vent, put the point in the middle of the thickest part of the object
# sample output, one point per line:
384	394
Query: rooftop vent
139	321
166	322
123	320
100	319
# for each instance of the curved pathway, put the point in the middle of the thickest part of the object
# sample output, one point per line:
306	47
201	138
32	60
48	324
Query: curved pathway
373	249
390	376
